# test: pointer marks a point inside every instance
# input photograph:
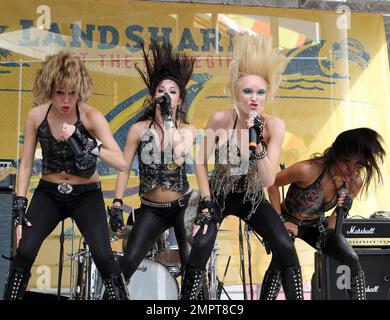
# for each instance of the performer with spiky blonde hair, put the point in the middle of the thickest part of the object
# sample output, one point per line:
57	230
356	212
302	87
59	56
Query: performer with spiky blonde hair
243	169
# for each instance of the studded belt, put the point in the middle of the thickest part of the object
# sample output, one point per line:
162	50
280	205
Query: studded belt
67	188
181	202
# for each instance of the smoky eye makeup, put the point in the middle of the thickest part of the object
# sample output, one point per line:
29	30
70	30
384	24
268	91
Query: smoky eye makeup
259	92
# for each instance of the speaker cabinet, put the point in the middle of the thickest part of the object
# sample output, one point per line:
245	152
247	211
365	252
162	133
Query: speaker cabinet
6	237
375	264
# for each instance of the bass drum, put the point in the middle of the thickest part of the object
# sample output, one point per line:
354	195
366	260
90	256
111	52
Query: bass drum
152	281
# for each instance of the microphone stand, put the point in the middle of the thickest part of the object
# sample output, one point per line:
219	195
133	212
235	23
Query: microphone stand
247	229
242	261
282	167
60	262
220	283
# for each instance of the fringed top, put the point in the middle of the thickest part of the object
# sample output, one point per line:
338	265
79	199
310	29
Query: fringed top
232	174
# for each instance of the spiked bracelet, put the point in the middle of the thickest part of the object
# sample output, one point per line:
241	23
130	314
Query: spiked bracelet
19	206
117	200
260	155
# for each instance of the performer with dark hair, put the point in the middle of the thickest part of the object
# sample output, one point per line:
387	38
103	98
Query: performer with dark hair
239	175
315	184
72	136
161	139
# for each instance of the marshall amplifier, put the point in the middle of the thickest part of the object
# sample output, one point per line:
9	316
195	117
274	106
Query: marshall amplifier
375	264
370	239
7	175
367	233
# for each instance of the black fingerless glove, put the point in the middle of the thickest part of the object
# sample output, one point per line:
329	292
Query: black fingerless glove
116	218
166	107
19	206
211	215
259	127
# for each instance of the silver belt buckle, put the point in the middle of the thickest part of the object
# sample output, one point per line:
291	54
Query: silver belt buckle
65	188
181	202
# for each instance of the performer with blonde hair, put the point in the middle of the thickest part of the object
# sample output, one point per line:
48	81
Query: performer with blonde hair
242	170
72	136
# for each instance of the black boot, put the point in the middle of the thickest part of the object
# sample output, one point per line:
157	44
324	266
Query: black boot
271	285
204	291
292	283
192	283
16	285
115	287
358	286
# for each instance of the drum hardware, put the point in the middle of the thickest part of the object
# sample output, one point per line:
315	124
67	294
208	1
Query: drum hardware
247	230
61	261
168	251
220	286
153	279
88	283
61	258
213	273
242	259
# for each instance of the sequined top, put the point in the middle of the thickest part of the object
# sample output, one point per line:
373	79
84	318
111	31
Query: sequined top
232	174
157	168
309	201
57	155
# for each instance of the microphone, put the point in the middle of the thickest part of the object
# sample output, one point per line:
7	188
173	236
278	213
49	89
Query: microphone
74	145
340	211
252	133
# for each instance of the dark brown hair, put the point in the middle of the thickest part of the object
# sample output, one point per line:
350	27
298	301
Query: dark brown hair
361	143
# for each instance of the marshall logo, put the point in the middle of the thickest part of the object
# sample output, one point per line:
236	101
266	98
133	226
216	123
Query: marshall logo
356	230
374	289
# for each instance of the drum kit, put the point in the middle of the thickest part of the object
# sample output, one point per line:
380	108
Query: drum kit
156	278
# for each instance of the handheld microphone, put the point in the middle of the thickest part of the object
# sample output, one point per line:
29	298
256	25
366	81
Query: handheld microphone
340	211
74	145
252	133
